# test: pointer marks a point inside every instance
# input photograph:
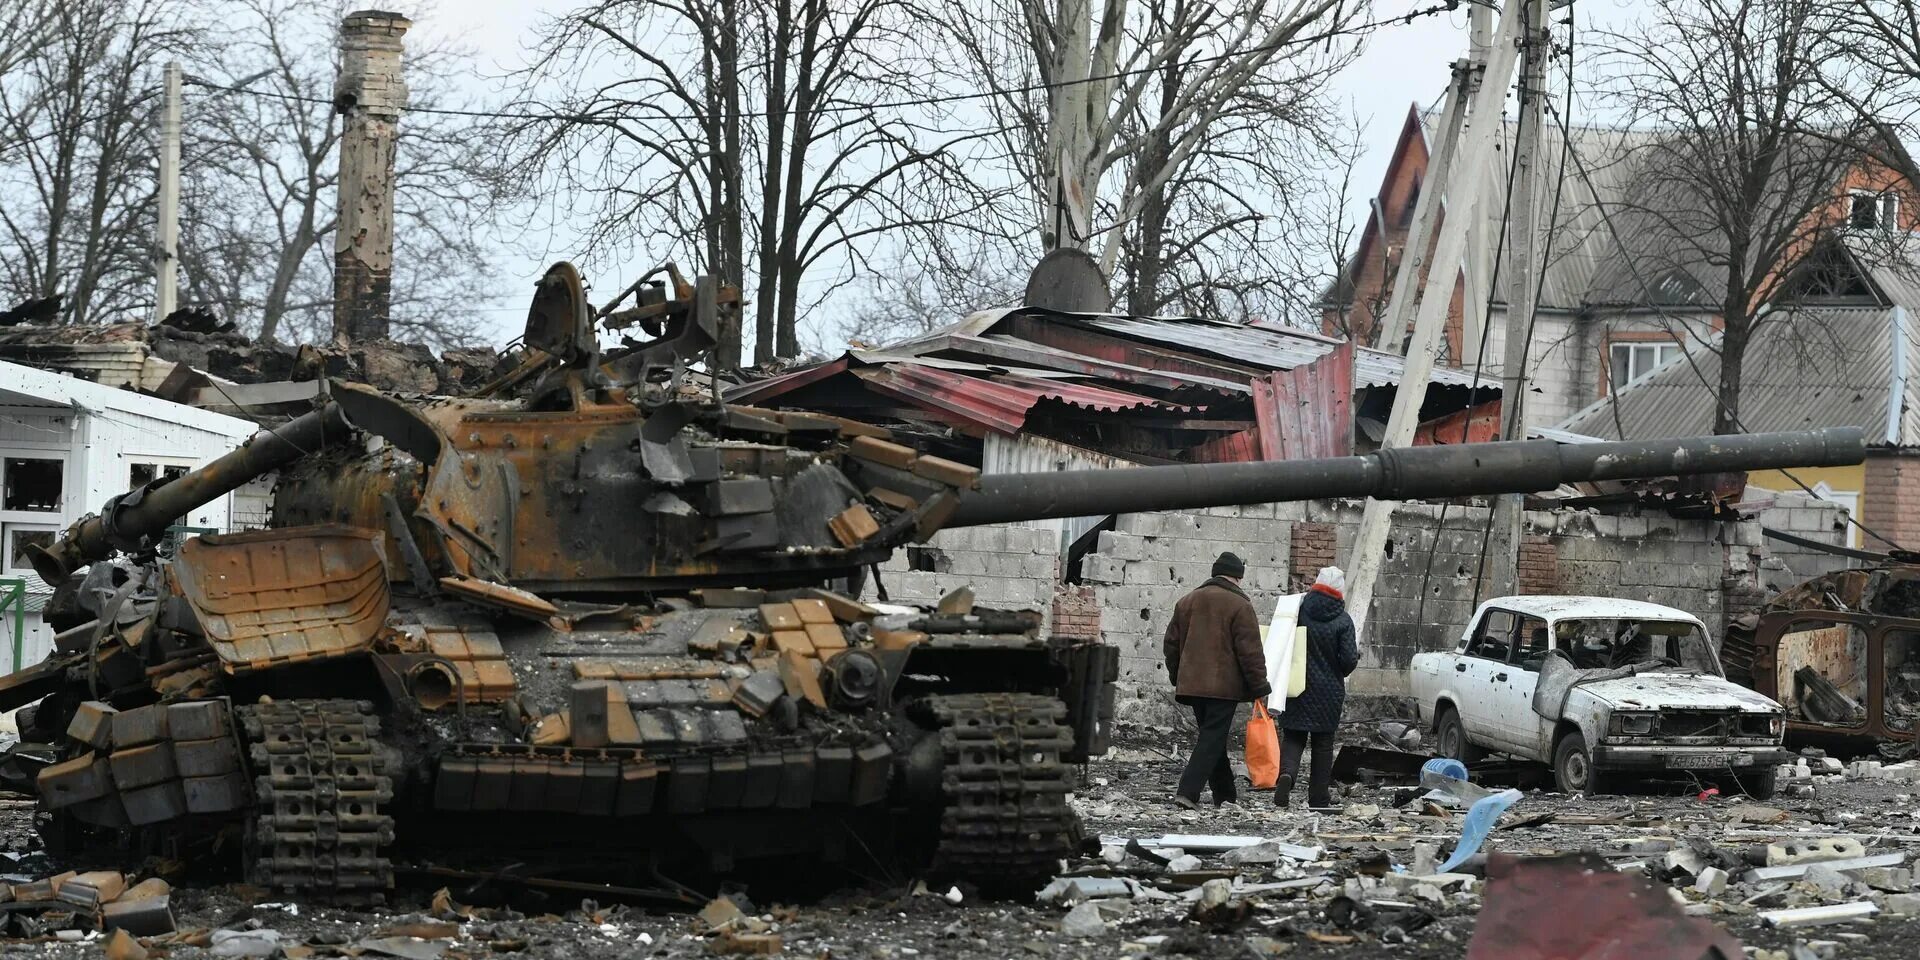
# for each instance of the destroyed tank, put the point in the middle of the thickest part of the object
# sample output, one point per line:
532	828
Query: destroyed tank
593	617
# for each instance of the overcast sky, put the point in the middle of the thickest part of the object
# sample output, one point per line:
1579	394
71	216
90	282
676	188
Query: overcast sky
1401	64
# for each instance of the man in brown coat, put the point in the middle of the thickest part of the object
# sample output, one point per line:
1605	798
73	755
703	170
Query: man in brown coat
1215	661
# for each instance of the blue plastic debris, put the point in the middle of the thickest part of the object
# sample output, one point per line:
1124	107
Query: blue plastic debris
1446	767
1480	820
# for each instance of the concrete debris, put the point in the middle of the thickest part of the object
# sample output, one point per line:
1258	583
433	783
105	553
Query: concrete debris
244	943
1185	863
1813	851
1795	871
1710	882
1815	916
1083	921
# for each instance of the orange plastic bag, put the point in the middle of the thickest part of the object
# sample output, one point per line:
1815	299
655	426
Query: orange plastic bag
1263	748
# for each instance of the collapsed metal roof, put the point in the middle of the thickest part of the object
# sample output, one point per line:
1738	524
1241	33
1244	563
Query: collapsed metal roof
1150	388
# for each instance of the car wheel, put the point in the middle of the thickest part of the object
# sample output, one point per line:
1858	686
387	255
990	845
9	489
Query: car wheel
1573	769
1760	785
1450	738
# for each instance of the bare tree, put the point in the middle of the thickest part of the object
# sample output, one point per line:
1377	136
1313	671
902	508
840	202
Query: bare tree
1734	189
741	135
1169	137
76	184
1878	75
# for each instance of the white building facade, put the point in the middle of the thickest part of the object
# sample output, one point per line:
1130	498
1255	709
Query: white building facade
66	446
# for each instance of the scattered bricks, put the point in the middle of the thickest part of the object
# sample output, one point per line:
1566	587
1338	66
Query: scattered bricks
854	526
550	730
1813	851
139	726
93	725
154	804
780	616
827	639
85	777
759	692
882	452
204	758
792	642
1711	882
812	611
587	706
142	766
942	470
146	917
216	794
199	720
89	890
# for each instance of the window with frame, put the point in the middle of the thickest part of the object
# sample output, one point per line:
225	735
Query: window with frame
1492	636
141	474
1872	210
1531	644
1629	361
15	538
31	484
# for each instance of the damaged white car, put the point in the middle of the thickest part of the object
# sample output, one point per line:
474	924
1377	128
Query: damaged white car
1599	689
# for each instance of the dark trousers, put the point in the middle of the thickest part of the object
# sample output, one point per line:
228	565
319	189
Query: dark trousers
1320	780
1208	764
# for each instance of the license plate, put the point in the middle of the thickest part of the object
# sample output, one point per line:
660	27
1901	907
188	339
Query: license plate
1703	761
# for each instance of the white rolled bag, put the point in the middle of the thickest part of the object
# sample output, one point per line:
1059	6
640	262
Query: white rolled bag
1285	646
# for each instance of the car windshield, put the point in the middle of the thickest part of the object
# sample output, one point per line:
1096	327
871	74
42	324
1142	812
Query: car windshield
1606	643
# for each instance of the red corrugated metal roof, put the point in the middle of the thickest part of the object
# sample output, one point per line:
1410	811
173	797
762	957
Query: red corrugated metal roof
1000	403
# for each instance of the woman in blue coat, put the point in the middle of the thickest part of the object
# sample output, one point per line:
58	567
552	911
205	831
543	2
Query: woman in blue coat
1315	714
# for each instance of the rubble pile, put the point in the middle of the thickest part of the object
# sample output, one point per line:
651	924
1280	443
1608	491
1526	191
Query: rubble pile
220	351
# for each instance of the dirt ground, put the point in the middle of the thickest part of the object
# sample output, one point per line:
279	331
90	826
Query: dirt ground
1125	795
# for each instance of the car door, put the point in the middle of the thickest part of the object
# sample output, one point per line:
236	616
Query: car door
1484	658
1522	730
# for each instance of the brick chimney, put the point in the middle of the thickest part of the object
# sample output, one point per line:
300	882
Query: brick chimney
369	94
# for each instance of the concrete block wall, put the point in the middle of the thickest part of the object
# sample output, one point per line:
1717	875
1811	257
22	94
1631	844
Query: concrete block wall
1142	567
1012	568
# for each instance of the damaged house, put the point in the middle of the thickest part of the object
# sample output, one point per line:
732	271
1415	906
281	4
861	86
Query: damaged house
66	446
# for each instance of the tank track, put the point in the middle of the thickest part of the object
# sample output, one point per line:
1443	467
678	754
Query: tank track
1004	784
320	778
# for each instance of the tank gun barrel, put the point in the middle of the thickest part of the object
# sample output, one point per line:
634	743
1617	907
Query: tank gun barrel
144	513
1405	473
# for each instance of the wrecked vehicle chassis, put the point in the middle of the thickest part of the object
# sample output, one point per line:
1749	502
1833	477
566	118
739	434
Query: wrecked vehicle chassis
591	612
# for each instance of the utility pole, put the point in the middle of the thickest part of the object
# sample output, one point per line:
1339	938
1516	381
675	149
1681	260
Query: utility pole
166	256
1524	261
1473	322
1462	195
1425	209
369	93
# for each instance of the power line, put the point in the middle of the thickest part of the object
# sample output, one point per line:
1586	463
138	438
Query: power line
1443	6
1646	290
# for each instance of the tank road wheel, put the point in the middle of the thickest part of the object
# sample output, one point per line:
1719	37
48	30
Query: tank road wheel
320	778
1004	820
